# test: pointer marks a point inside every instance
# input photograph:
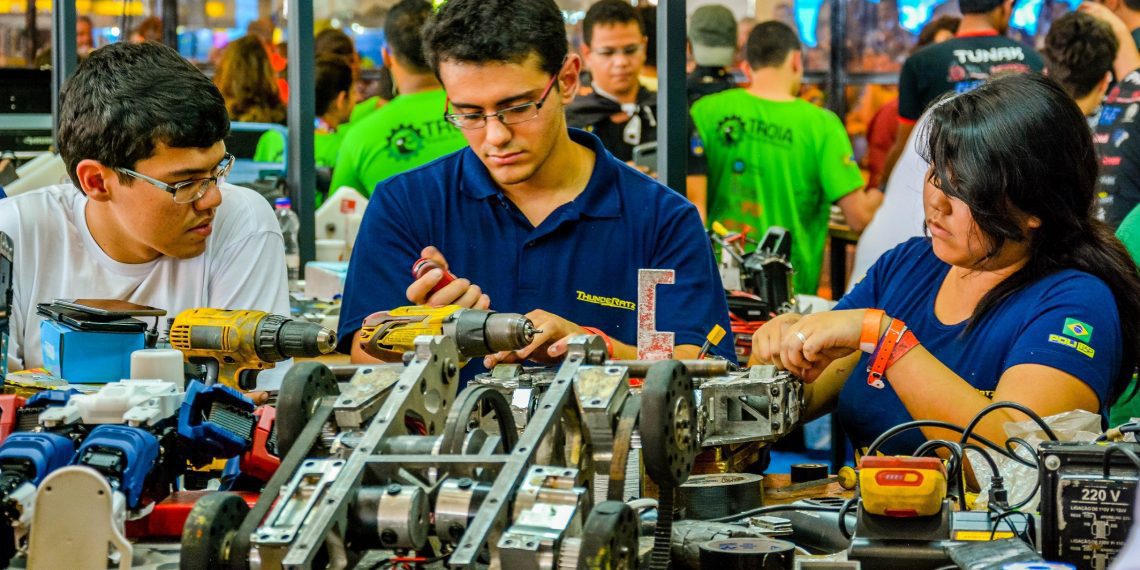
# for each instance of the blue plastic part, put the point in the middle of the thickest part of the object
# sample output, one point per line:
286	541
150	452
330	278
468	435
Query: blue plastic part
205	437
45	451
139	447
50	398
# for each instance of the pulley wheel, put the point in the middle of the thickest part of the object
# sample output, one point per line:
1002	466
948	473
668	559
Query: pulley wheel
668	423
210	529
301	392
478	401
609	539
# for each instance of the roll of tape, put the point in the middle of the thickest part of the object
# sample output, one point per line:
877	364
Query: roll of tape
804	472
748	554
704	497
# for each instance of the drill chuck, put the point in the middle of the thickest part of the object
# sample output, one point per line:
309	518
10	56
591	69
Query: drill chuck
479	333
306	340
280	338
509	331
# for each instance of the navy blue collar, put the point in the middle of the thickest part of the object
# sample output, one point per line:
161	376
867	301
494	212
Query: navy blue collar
600	198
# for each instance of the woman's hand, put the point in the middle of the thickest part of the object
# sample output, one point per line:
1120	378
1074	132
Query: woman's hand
766	341
812	342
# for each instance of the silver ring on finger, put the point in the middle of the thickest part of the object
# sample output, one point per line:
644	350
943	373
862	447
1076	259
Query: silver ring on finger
803	338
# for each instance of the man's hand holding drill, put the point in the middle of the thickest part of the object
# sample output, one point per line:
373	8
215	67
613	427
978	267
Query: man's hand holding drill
458	292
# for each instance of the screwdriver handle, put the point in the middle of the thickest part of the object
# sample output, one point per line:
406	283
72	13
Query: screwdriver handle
423	265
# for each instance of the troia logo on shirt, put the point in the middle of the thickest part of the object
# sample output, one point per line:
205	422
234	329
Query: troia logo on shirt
1075	335
733	129
607	301
407	141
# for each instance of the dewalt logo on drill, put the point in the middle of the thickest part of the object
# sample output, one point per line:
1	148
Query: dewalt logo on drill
607	301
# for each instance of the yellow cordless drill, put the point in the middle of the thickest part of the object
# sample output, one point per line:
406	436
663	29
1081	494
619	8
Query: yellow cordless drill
236	345
388	334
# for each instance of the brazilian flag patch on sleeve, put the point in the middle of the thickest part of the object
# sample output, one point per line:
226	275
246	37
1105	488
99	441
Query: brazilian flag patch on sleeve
1078	330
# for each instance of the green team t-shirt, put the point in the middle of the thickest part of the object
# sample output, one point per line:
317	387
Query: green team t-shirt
776	163
407	132
363	109
271	148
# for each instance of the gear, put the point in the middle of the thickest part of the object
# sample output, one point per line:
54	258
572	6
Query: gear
731	129
405	142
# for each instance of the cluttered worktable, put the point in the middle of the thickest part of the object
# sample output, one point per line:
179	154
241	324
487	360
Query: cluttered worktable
615	462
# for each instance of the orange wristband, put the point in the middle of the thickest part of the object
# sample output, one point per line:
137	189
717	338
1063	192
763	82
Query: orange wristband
605	337
869	338
882	355
906	342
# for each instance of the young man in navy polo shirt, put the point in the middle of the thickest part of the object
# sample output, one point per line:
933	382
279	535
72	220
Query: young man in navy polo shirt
533	217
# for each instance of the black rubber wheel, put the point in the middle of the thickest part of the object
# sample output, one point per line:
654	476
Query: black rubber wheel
609	539
668	423
210	530
301	392
478	400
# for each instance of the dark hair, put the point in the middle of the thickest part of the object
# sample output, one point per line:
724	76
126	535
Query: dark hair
403	28
769	44
476	31
1079	50
942	23
978	6
333	77
126	98
1133	5
608	13
1050	174
649	28
334	42
248	83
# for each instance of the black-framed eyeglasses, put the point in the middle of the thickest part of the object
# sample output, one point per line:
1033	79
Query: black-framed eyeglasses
188	190
509	116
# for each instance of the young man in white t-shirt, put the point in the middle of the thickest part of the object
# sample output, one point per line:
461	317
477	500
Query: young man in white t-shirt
148	218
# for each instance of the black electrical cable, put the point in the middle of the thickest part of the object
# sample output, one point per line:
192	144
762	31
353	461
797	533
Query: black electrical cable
887	435
1012	405
1032	462
843	517
985	455
773	509
1000	516
1131	455
955	472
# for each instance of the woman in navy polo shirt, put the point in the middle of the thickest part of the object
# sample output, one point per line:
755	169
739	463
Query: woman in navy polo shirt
1017	294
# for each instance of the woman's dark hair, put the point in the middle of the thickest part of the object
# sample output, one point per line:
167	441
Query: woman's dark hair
403	29
333	77
1018	146
247	82
125	99
943	23
497	31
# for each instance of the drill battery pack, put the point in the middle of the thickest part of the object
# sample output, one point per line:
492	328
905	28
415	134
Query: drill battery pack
1086	503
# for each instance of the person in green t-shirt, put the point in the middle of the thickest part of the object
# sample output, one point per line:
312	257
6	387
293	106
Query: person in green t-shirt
775	160
335	99
409	130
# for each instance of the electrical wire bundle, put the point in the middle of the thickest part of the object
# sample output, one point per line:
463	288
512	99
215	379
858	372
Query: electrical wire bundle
998	496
